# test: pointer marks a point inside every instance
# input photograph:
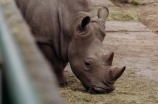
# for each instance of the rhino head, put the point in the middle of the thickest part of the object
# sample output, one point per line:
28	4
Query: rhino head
87	58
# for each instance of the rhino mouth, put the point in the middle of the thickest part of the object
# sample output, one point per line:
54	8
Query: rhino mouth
102	89
99	90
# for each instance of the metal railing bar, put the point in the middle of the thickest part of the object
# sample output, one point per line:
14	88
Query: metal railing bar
22	91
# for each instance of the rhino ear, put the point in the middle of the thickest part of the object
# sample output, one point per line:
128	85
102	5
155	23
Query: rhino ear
103	13
85	22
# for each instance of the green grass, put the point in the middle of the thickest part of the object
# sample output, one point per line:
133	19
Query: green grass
133	2
130	89
123	1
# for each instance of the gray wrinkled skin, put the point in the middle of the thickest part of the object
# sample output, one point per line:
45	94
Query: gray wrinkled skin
68	31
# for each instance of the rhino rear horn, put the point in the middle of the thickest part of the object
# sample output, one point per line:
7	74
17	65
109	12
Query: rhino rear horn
85	22
116	72
103	13
109	58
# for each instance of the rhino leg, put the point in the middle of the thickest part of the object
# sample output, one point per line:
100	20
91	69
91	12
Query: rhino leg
56	64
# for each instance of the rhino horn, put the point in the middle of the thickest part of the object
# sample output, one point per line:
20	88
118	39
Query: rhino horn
115	73
109	58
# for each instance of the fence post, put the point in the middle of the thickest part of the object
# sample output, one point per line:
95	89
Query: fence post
23	62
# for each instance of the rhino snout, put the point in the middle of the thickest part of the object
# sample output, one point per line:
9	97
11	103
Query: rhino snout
100	90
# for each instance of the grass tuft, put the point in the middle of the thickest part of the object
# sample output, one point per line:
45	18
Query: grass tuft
124	15
133	2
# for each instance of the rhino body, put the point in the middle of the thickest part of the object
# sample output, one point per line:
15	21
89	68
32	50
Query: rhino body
69	31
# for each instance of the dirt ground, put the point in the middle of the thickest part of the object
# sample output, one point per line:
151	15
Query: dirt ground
148	12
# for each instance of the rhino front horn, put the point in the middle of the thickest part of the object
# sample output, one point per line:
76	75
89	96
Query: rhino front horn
115	73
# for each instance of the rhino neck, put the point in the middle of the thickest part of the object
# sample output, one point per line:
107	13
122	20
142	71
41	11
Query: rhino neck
68	16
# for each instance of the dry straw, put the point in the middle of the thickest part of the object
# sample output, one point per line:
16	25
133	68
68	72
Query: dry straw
125	15
130	89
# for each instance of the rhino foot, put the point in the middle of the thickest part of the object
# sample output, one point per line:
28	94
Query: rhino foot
62	81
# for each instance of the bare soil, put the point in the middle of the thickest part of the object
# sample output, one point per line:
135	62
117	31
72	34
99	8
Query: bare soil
146	53
148	12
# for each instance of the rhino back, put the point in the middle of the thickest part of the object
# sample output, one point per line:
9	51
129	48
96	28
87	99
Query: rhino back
52	21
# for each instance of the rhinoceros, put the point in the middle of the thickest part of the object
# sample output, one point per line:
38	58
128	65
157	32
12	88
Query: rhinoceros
69	31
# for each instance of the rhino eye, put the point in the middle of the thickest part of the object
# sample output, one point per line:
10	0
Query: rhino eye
87	64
